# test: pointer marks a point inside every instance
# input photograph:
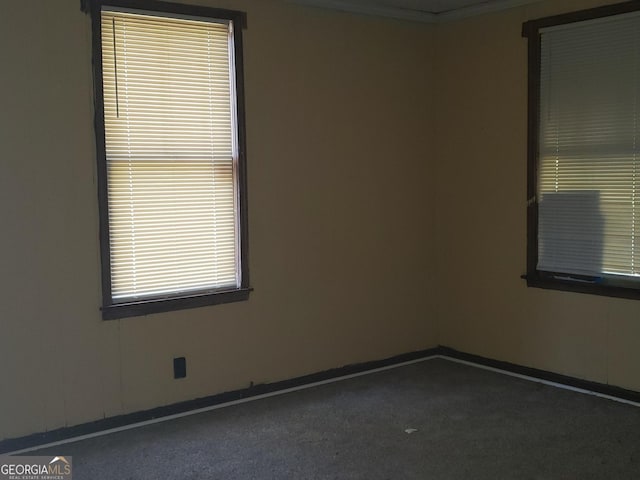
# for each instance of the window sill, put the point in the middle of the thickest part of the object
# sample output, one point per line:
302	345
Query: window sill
579	286
146	307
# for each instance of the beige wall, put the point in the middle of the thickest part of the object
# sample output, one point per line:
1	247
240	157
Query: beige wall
387	178
340	226
484	307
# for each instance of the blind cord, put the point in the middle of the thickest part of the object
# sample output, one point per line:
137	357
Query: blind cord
115	67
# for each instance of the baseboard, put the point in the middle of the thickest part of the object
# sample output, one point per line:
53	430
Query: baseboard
66	433
600	388
111	423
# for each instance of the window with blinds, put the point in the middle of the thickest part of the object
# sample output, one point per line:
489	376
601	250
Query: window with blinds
171	161
587	167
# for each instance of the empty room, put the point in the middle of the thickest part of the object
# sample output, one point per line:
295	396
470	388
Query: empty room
320	239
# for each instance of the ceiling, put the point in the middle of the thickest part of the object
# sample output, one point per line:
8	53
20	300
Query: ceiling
428	11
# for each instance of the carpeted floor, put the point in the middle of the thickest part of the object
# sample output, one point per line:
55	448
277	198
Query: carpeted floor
470	424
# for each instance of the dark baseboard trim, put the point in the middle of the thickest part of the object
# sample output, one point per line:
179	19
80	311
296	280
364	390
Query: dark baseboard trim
601	388
61	434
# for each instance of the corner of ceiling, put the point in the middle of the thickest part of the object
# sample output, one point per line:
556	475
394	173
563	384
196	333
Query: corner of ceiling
412	15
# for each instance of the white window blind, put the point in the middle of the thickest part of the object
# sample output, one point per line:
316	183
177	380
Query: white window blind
589	170
171	154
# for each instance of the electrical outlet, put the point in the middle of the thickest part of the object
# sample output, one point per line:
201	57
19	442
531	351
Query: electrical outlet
179	367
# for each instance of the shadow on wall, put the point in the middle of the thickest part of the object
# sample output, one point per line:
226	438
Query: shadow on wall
571	232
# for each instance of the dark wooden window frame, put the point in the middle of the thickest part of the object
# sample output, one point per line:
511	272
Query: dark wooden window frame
535	277
114	310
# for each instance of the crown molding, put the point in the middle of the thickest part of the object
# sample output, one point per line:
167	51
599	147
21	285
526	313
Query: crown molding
374	10
481	9
412	15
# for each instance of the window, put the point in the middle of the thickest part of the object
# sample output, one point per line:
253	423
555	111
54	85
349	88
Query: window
171	156
584	151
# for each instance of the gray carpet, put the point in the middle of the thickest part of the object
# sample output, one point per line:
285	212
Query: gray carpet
471	424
